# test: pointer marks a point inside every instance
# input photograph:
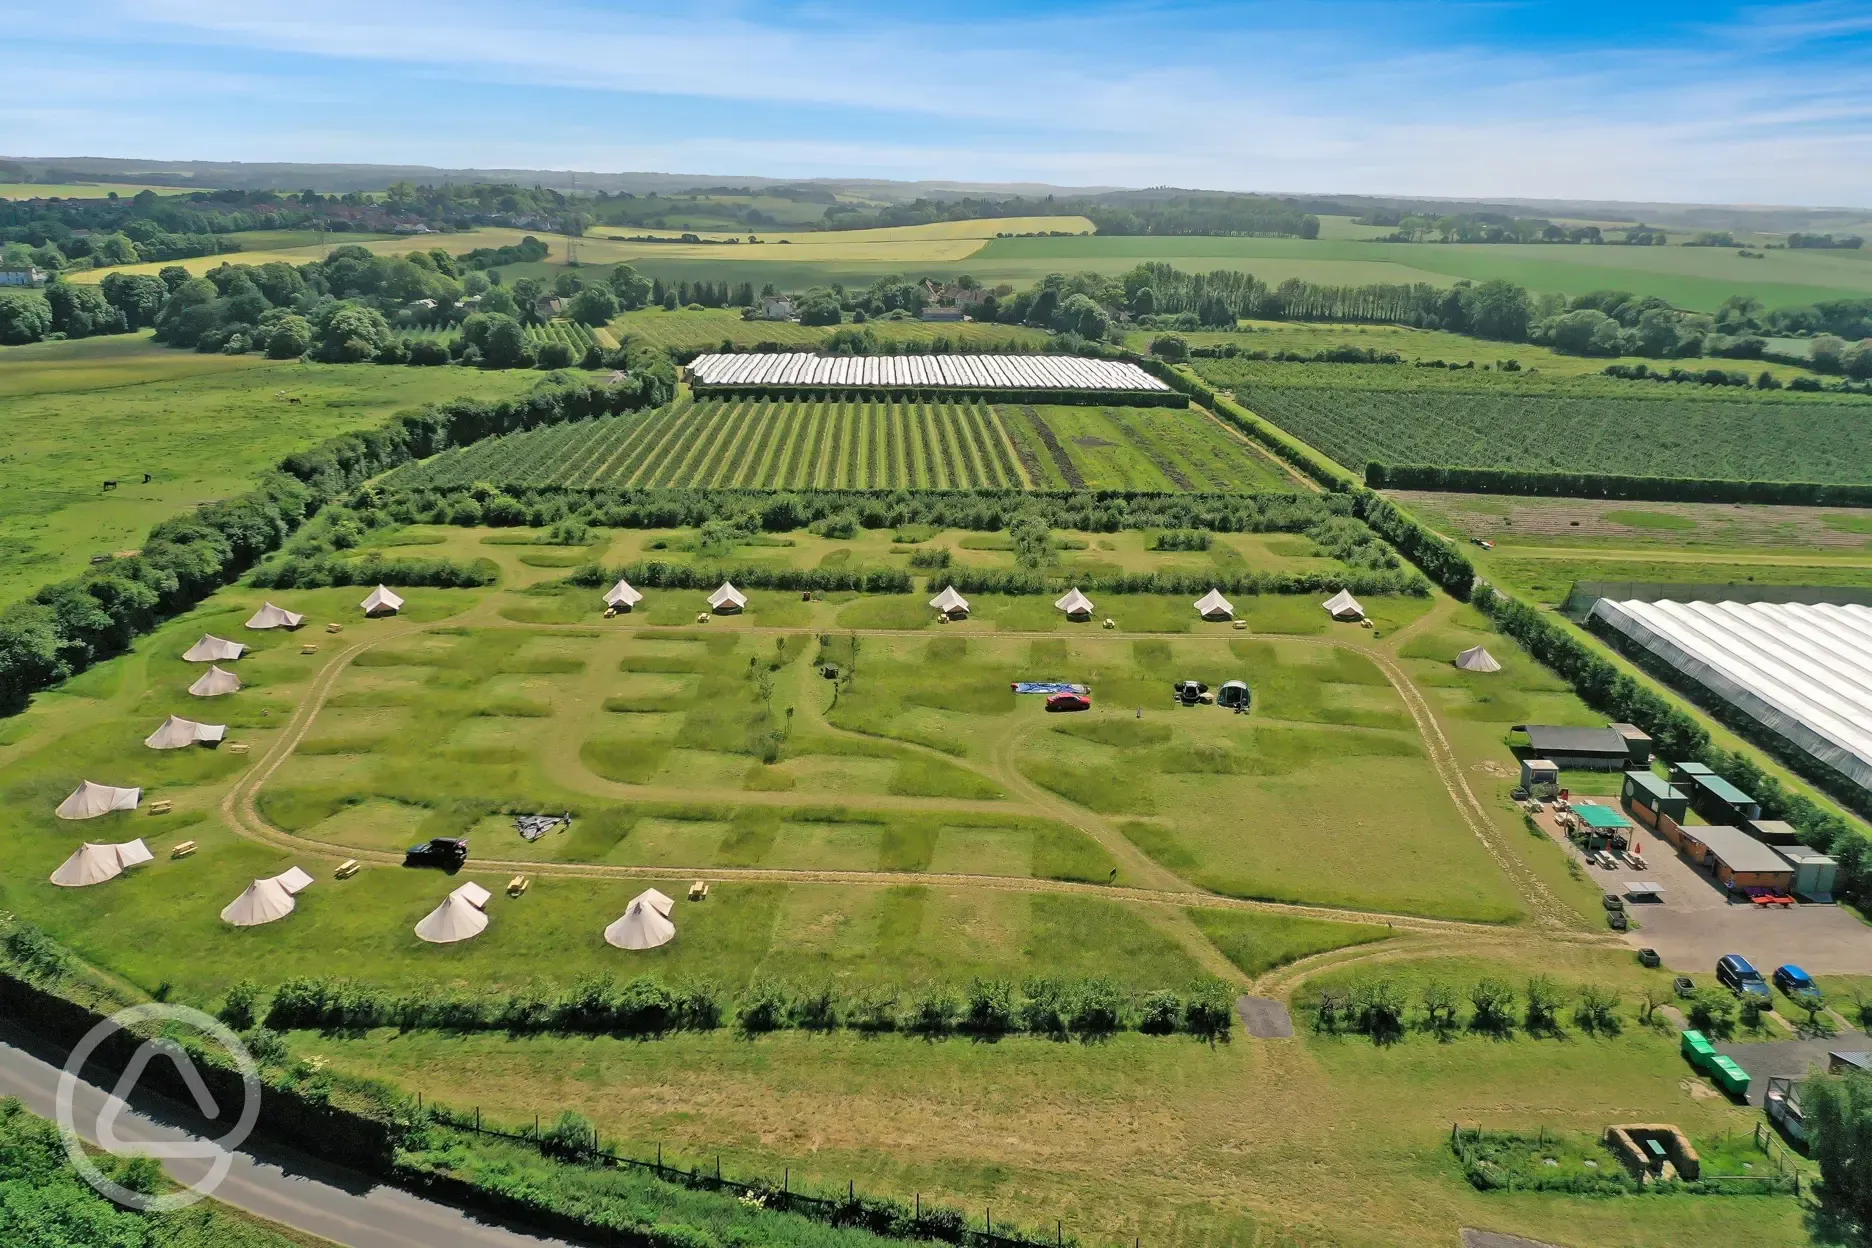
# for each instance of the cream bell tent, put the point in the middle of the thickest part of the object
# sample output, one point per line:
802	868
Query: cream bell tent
1343	606
662	903
381	602
455	919
1213	606
293	880
950	603
177	732
88	801
1476	659
621	597
473	894
1075	604
215	682
270	616
213	649
642	926
263	902
93	864
726	599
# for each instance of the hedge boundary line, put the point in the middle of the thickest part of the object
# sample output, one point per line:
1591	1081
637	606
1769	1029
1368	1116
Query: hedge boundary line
1380	476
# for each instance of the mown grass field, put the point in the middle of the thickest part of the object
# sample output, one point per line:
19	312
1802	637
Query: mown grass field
707	328
1699	529
1696	278
477	703
1398	414
85	190
75	414
870	445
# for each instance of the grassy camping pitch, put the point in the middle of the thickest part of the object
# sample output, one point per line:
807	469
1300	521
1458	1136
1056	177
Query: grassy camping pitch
79	414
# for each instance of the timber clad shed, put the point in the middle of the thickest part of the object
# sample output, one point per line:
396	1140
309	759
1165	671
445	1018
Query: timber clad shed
1583	749
1721	802
1737	859
1647	796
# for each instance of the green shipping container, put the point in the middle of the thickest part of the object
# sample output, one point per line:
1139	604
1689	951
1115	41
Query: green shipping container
1731	1077
1698	1050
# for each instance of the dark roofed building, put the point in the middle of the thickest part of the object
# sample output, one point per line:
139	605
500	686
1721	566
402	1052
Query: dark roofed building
1580	749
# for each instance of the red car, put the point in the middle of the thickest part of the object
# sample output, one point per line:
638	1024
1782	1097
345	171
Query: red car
1069	702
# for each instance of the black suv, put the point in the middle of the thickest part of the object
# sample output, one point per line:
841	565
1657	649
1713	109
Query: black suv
447	852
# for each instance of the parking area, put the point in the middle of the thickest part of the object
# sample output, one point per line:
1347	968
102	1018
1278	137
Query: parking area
1695	923
1788	1059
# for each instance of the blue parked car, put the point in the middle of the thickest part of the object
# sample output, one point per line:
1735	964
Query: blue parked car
1734	972
1794	981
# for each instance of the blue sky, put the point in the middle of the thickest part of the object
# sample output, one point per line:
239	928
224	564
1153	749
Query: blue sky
1711	102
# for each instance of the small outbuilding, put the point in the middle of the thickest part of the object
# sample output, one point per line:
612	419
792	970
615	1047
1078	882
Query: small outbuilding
1737	859
1476	659
93	864
177	733
1540	776
727	600
270	616
950	604
1815	873
1578	749
1343	606
216	682
1683	775
382	602
1075	604
1775	832
1213	606
1721	802
88	801
1638	743
213	649
1647	796
622	596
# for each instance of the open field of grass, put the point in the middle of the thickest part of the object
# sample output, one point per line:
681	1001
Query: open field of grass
1705	529
1401	415
1419	344
1697	278
86	190
76	414
654	732
696	329
870	445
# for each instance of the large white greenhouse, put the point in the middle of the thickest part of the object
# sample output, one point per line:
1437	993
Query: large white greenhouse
1802	671
920	372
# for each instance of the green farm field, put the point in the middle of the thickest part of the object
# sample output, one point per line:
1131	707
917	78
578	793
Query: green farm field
75	414
694	329
915	825
1697	278
1398	414
85	190
870	445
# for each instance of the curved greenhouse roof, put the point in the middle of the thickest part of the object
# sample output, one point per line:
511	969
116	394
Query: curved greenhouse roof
1803	671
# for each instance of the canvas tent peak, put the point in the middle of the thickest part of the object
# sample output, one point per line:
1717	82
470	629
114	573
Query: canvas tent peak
213	649
640	927
88	801
1343	606
621	597
1476	659
1075	604
473	894
263	902
662	903
176	733
727	598
293	880
270	616
455	919
950	603
94	864
382	602
1213	606
216	682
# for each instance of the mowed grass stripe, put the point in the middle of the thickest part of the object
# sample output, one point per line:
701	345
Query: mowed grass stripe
629	458
954	462
582	469
804	434
734	430
836	432
785	435
665	446
994	439
966	453
688	461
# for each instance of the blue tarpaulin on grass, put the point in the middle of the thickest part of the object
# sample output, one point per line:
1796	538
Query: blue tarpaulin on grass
1048	686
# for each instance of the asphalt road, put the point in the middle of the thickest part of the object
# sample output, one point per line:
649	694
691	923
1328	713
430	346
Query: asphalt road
278	1185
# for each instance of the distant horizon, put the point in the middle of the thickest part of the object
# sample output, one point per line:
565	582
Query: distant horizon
698	179
1716	103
